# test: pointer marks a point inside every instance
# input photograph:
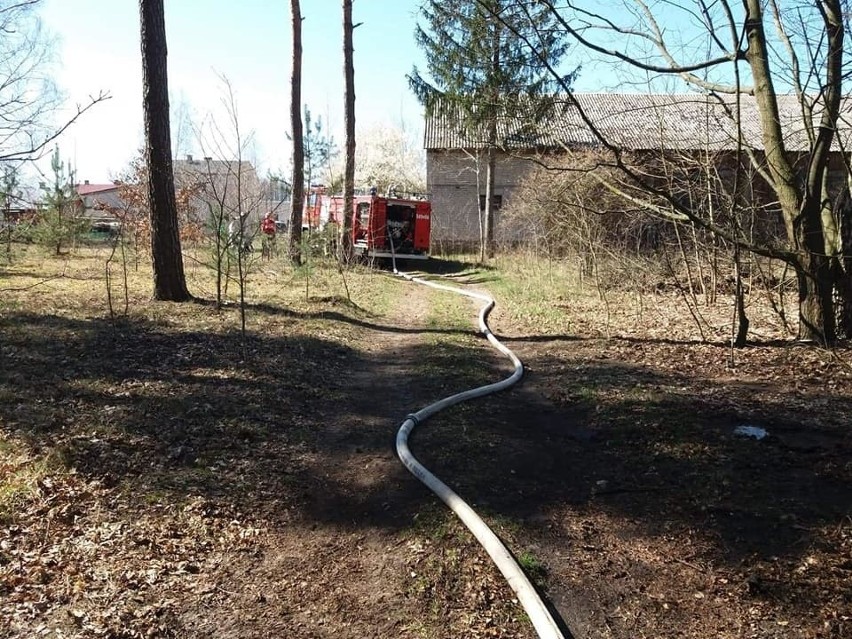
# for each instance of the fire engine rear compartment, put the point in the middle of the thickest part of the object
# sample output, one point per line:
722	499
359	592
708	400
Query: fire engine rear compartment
389	227
400	227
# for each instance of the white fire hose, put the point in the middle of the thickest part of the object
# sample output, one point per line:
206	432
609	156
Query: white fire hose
535	608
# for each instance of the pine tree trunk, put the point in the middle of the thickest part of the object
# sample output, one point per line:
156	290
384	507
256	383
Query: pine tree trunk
349	118
169	278
491	162
297	199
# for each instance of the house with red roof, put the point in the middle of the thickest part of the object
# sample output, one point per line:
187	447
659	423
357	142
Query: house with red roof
98	199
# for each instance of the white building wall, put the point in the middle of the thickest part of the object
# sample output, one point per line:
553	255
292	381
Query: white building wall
455	179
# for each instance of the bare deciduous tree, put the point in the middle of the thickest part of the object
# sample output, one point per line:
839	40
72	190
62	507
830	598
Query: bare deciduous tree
749	49
29	99
230	193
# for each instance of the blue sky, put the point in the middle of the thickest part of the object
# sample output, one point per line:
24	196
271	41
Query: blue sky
247	41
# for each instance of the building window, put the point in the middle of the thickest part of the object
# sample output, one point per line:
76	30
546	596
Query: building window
497	202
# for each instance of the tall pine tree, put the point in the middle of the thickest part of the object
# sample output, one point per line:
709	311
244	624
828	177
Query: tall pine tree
349	120
297	199
169	278
481	70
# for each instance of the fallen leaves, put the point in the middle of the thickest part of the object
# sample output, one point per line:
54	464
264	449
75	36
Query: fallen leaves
106	563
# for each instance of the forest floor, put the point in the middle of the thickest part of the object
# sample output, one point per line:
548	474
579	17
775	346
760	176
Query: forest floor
164	475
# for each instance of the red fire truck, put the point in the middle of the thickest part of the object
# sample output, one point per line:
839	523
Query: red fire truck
382	227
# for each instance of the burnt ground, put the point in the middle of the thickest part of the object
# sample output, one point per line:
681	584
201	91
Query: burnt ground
171	479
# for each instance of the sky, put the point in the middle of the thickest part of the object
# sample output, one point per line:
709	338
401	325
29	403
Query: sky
248	42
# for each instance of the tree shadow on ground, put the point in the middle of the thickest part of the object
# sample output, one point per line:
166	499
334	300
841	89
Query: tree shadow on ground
297	428
644	445
170	412
467	280
291	427
342	317
278	418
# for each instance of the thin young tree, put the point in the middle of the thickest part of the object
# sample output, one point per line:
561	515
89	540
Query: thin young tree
169	278
349	120
318	147
297	200
10	193
232	194
59	222
480	71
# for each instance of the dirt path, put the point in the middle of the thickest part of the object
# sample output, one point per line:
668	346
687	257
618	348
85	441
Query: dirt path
368	551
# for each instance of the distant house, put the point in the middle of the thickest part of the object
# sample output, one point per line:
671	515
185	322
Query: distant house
99	202
688	124
10	216
226	189
96	199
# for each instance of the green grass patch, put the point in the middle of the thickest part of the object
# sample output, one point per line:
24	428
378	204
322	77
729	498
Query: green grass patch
533	567
434	521
534	291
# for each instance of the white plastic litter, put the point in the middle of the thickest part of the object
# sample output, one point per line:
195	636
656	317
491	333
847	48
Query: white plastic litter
755	432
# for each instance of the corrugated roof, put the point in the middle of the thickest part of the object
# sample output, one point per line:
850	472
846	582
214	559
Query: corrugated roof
630	121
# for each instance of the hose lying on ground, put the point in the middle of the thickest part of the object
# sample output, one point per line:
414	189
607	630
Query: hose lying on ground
535	608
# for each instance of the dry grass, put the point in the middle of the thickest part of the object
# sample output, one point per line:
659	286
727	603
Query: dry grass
22	474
